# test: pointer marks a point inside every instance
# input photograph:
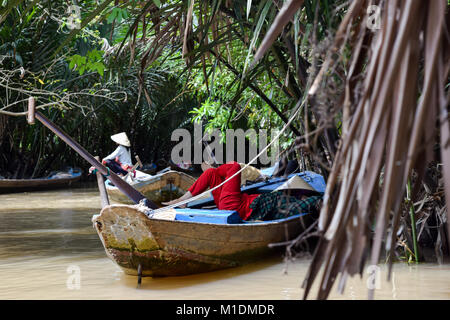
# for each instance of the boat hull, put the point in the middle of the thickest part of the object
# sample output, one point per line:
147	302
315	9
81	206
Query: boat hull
174	248
160	188
22	185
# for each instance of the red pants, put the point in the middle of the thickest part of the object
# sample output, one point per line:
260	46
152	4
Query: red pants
228	196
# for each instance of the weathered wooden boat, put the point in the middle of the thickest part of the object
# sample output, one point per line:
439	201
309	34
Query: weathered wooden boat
188	241
164	186
61	179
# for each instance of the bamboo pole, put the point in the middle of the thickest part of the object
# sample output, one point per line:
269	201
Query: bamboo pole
31	110
139	161
101	187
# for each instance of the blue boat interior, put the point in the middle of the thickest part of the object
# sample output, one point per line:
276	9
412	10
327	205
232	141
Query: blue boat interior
208	216
219	216
197	213
74	172
312	178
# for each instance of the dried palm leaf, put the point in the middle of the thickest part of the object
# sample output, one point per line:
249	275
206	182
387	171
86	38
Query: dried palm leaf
385	133
283	17
188	28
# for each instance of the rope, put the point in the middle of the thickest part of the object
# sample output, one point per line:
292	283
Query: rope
96	170
300	103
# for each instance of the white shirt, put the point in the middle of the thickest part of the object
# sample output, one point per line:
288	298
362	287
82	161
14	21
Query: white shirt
123	154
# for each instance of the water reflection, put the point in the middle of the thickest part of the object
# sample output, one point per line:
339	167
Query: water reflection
48	224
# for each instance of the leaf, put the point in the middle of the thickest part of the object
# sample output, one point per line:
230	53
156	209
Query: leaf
282	18
296	40
99	67
111	16
256	33
100	70
29	16
187	27
249	6
119	15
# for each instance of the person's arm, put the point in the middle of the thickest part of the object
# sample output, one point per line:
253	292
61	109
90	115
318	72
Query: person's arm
186	196
113	155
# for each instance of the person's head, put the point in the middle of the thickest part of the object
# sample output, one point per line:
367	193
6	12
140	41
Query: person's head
207	165
121	139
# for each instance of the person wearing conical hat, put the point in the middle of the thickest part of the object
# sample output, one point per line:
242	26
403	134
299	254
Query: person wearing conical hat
120	160
294	197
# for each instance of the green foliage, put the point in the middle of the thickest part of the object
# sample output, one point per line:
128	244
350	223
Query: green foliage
117	52
31	43
91	62
214	113
117	14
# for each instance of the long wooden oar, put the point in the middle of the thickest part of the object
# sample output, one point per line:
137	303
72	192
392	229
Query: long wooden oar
122	185
101	187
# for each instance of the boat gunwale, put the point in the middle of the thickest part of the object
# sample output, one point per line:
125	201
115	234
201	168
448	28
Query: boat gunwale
152	179
227	225
23	183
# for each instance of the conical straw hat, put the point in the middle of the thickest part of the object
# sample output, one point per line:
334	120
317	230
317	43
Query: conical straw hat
121	138
295	183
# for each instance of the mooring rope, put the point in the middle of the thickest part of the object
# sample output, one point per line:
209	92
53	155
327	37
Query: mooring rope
300	103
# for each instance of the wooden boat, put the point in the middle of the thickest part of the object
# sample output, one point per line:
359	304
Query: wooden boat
191	240
164	186
53	181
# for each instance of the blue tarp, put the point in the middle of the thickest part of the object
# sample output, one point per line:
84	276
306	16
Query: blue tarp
314	179
268	171
208	216
231	217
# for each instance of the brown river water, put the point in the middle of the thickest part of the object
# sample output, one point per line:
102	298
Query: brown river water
49	250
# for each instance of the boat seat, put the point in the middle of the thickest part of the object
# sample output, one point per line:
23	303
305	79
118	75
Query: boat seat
208	216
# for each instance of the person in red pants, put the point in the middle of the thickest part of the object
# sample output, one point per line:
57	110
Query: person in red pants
263	207
226	197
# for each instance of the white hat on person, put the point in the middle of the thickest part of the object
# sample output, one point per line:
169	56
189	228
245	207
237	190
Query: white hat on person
121	138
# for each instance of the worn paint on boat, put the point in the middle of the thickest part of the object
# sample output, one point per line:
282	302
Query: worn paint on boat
180	247
194	240
162	187
54	181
